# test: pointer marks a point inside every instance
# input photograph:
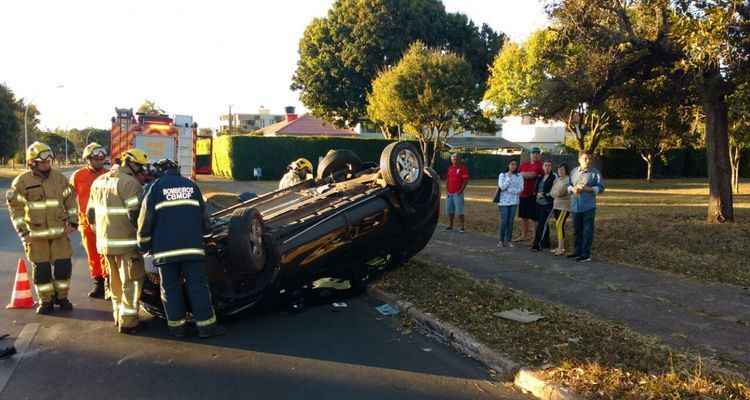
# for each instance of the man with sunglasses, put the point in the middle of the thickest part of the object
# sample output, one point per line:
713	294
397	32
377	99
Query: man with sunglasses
42	207
81	180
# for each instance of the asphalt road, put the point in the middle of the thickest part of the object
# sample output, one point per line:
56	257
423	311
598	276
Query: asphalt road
319	353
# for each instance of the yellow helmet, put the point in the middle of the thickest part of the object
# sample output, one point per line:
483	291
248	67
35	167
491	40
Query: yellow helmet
136	156
94	149
302	164
39	151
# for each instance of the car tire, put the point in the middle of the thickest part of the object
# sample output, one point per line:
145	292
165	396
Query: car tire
247	249
337	163
401	166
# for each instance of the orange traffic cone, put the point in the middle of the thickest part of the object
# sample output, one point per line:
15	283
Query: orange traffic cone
21	297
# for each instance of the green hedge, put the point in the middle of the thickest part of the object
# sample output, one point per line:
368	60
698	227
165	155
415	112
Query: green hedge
236	156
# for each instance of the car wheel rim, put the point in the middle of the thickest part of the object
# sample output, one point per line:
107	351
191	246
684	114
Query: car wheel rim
407	166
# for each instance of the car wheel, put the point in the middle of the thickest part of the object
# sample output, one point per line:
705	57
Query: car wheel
401	166
247	251
337	163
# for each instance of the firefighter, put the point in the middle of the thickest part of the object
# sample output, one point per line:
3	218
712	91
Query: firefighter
81	180
171	227
299	170
113	206
43	209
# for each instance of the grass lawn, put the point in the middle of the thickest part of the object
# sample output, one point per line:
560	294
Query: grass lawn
599	359
658	226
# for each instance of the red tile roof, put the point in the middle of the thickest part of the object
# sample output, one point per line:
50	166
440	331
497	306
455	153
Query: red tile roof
306	125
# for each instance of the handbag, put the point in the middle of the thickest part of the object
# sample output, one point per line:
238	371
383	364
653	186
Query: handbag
496	198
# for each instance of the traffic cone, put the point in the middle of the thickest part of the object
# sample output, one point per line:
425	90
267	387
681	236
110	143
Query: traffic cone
21	297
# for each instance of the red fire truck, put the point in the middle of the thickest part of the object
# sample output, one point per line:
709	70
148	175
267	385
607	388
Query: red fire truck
159	135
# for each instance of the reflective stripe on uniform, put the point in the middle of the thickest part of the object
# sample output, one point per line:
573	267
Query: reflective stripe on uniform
124	310
20	198
175	324
112	210
131	202
66	192
45	287
120	242
61	284
207	322
172	203
18	222
41	205
180	252
47	233
72	212
144	239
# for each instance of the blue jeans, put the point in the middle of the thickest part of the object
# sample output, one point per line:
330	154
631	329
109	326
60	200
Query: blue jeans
583	225
454	204
507	215
196	284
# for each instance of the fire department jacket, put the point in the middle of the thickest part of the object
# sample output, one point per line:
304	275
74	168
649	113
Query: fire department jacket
113	207
81	180
172	220
40	207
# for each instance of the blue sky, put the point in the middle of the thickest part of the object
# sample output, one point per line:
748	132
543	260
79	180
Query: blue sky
80	59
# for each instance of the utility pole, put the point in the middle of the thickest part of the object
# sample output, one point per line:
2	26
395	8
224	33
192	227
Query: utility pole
230	119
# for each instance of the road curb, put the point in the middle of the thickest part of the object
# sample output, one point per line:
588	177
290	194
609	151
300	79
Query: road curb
525	379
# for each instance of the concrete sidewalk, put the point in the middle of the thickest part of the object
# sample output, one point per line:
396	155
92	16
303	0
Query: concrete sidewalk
712	318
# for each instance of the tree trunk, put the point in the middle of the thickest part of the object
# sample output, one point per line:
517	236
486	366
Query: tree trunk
649	159
734	160
720	207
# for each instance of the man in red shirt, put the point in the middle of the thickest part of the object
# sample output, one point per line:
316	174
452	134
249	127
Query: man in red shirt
458	178
529	171
81	180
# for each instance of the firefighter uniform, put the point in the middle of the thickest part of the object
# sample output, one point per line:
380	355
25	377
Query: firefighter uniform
171	227
81	181
113	207
40	205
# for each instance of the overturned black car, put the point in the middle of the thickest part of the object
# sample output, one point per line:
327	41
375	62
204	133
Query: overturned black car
353	218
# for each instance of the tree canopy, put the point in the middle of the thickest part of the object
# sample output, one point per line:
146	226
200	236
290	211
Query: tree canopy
9	126
342	53
427	93
150	107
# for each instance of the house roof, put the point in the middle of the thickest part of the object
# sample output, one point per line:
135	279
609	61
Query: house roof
306	125
481	143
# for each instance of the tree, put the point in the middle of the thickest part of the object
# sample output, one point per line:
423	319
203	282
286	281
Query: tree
653	116
9	127
341	54
426	93
739	129
713	38
150	107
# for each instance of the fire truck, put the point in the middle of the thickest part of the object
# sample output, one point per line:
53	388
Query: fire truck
159	135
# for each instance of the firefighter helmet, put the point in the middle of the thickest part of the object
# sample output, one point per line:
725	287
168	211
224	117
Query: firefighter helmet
94	149
302	164
39	151
136	156
165	165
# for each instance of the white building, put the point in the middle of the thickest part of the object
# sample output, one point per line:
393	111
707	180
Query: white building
530	132
251	122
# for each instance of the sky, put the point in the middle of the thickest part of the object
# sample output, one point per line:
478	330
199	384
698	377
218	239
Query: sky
77	60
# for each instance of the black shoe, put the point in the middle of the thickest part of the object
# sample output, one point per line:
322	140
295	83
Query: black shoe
572	256
45	308
97	288
64	304
583	259
212	330
127	330
534	248
178	331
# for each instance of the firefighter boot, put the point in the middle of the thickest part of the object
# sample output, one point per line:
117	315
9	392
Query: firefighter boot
212	330
97	288
45	308
64	304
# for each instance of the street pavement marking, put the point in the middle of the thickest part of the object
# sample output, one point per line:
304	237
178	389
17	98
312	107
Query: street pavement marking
22	344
